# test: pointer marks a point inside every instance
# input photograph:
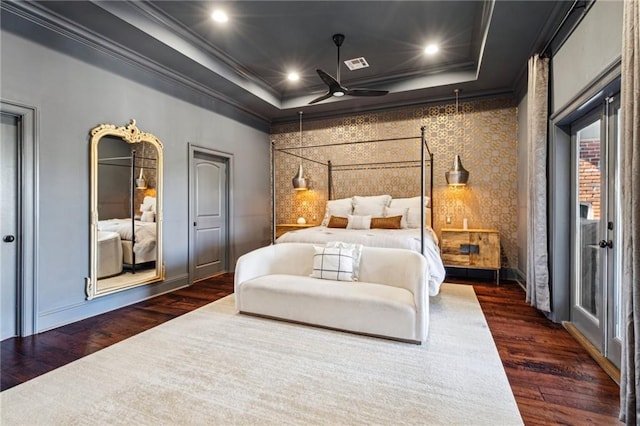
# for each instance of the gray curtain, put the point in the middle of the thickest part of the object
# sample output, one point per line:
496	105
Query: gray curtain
630	168
537	261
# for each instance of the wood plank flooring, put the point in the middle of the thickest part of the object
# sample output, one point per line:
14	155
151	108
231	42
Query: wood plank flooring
553	378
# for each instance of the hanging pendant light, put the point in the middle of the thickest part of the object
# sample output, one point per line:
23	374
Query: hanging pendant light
141	182
458	175
300	182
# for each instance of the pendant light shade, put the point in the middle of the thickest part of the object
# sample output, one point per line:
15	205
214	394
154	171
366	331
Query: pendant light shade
141	182
458	175
300	182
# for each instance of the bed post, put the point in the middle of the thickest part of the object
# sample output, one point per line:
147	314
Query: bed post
431	185
273	194
422	199
329	180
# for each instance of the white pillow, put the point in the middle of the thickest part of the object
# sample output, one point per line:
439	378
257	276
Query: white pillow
148	217
408	202
402	211
358	222
357	253
413	217
145	207
413	214
373	205
341	207
333	263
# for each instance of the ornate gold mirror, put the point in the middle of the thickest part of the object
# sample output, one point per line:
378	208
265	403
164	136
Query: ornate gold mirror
126	209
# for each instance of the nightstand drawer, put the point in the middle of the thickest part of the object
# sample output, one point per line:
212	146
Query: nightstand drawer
455	248
471	248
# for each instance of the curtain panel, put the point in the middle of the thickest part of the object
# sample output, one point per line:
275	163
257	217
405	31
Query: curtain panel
537	121
630	170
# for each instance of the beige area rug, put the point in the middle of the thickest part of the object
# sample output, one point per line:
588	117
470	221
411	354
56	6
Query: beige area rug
213	366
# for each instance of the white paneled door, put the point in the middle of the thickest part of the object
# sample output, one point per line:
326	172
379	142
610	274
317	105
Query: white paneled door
209	212
9	226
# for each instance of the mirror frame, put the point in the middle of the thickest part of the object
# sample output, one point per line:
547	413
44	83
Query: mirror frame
132	135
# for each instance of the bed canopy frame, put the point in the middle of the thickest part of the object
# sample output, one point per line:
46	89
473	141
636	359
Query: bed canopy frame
426	160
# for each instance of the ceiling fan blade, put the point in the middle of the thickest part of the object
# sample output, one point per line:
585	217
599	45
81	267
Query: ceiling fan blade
366	92
321	98
329	81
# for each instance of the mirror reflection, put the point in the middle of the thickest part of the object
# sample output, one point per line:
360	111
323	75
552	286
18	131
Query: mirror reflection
126	223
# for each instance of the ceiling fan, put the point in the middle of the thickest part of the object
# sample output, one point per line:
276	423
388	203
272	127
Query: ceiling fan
335	88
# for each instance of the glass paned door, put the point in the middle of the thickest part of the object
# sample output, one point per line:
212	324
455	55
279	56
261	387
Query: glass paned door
588	213
595	285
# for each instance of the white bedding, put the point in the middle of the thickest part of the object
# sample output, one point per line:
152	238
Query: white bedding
389	238
145	245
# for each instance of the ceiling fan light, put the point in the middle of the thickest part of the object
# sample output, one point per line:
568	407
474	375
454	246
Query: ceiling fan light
338	93
293	76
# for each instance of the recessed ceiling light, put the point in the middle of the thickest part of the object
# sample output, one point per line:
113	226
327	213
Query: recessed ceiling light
431	49
293	76
219	16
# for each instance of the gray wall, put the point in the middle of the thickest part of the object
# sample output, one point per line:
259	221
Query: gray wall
591	49
73	93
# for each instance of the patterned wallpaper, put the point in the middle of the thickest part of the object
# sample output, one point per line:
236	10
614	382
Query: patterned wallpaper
483	132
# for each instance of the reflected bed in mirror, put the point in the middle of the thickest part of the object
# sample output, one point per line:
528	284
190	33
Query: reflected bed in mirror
126	209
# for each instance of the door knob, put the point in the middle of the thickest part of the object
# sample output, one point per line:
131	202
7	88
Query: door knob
605	244
8	238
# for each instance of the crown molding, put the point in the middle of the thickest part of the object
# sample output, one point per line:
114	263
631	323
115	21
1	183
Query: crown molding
43	17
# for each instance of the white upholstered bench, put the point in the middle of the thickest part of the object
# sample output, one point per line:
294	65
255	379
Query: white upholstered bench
390	299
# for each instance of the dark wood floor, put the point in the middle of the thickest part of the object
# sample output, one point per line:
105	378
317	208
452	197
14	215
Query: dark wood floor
553	378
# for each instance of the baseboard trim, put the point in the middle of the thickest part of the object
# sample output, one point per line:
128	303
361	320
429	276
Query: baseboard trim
78	311
603	362
519	277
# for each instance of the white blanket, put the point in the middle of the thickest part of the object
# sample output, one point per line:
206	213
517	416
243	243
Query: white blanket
389	238
145	233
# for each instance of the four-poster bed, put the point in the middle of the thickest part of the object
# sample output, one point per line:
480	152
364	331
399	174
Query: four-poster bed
415	234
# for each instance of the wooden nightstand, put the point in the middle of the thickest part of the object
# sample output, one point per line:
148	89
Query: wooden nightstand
286	227
471	248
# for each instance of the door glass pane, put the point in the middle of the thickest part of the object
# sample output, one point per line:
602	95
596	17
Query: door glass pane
617	280
588	221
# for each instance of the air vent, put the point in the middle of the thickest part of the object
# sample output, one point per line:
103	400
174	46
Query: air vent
356	64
